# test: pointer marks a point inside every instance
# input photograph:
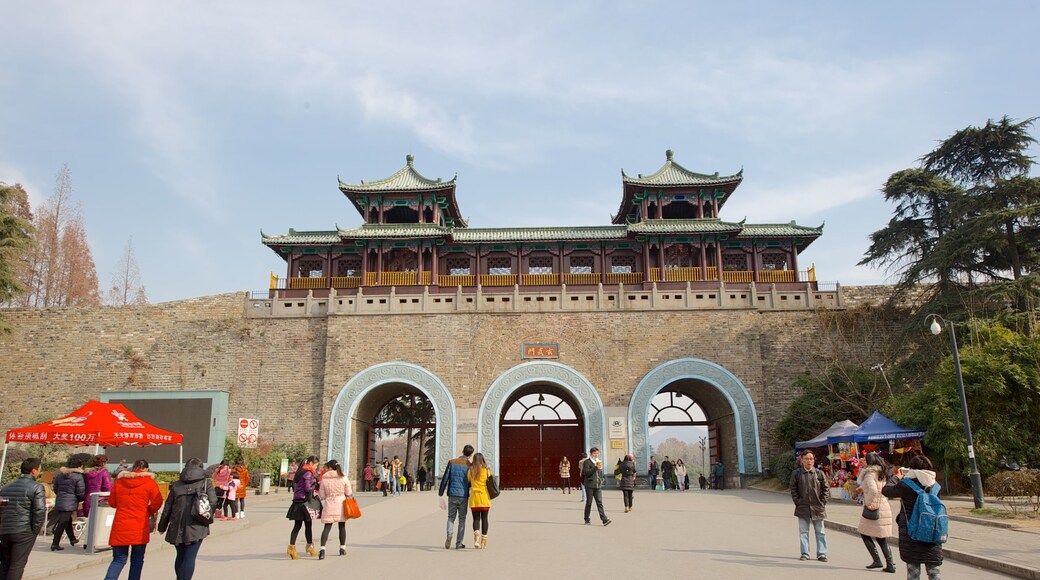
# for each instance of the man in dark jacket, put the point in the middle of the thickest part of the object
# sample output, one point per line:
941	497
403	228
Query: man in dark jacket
666	472
911	551
809	492
21	518
456	484
69	490
592	474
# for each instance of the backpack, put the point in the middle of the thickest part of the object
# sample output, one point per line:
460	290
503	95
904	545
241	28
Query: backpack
928	522
201	509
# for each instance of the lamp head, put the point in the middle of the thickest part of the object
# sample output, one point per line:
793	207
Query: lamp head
936	328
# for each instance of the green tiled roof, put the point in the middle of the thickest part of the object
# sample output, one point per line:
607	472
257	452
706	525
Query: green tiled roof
295	237
683	226
539	234
396	231
779	231
406	179
671	173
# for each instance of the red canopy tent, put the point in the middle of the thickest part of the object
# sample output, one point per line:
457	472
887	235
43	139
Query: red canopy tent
96	423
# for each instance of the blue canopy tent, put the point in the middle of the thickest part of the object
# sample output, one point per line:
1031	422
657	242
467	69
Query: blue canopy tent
880	428
839	432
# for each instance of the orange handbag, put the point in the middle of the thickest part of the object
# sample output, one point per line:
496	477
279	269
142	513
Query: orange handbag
351	509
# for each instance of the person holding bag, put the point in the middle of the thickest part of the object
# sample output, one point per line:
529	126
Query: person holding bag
479	499
306	483
876	521
333	490
136	498
180	522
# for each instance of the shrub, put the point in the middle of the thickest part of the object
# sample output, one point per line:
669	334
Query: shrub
1016	489
782	465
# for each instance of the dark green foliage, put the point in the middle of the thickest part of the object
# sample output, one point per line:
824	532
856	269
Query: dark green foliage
15	238
782	465
1001	370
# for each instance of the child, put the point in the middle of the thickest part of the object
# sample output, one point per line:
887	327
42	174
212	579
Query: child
230	494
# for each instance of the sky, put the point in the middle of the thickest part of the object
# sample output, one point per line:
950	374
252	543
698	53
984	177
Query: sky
191	126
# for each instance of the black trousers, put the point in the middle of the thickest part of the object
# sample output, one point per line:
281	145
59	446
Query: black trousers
63	524
627	493
597	494
14	554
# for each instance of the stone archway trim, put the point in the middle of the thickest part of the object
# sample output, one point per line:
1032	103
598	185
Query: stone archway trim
373	377
749	455
538	372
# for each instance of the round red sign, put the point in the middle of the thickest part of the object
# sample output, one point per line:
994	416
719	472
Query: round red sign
243	424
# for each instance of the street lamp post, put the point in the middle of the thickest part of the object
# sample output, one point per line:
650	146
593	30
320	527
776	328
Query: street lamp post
976	478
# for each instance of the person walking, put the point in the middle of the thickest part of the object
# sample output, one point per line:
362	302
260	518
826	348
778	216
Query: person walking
652	472
667	471
136	498
456	484
809	492
479	499
333	490
181	528
702	481
69	491
592	476
221	479
719	473
397	472
627	483
21	519
367	475
880	526
290	476
913	552
95	479
565	475
384	476
681	479
242	471
306	484
420	477
581	474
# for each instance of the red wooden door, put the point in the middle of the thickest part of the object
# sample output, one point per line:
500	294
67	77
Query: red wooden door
531	453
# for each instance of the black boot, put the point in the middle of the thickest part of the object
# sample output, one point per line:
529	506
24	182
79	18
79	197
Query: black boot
872	549
889	561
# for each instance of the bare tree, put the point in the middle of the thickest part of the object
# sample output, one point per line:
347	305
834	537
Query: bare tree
60	268
126	287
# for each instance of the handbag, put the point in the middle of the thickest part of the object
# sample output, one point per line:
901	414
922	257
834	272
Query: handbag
871	514
492	487
201	509
350	509
313	505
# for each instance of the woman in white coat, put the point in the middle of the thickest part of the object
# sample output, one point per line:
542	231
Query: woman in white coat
873	478
333	489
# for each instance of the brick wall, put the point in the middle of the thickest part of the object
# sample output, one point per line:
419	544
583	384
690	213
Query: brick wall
288	371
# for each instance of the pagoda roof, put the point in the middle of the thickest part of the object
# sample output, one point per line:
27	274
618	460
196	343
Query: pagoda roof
788	230
406	180
301	238
697	226
546	234
368	231
676	178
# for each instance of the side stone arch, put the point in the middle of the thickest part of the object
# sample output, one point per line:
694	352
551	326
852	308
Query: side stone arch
538	372
749	455
351	395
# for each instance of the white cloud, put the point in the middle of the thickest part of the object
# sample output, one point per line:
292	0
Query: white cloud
11	174
811	197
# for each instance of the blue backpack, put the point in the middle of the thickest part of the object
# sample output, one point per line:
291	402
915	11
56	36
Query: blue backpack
928	522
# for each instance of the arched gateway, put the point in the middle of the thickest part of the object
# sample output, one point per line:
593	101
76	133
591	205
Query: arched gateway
724	399
537	373
368	391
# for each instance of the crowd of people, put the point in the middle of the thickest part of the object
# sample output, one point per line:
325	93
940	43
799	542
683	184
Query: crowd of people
319	493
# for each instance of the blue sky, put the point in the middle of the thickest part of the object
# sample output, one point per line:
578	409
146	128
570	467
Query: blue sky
191	126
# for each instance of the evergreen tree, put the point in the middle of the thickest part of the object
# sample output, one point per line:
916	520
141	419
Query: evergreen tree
15	239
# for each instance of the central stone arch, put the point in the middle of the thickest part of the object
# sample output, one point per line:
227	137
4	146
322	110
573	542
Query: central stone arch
352	394
522	374
749	455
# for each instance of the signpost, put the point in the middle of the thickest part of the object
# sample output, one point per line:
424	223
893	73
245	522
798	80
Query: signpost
248	432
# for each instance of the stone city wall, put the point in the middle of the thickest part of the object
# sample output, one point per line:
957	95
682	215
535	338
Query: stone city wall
288	371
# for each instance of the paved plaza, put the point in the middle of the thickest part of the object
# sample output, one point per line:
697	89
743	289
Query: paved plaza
539	534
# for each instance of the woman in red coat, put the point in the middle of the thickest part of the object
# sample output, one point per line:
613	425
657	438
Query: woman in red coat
136	498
